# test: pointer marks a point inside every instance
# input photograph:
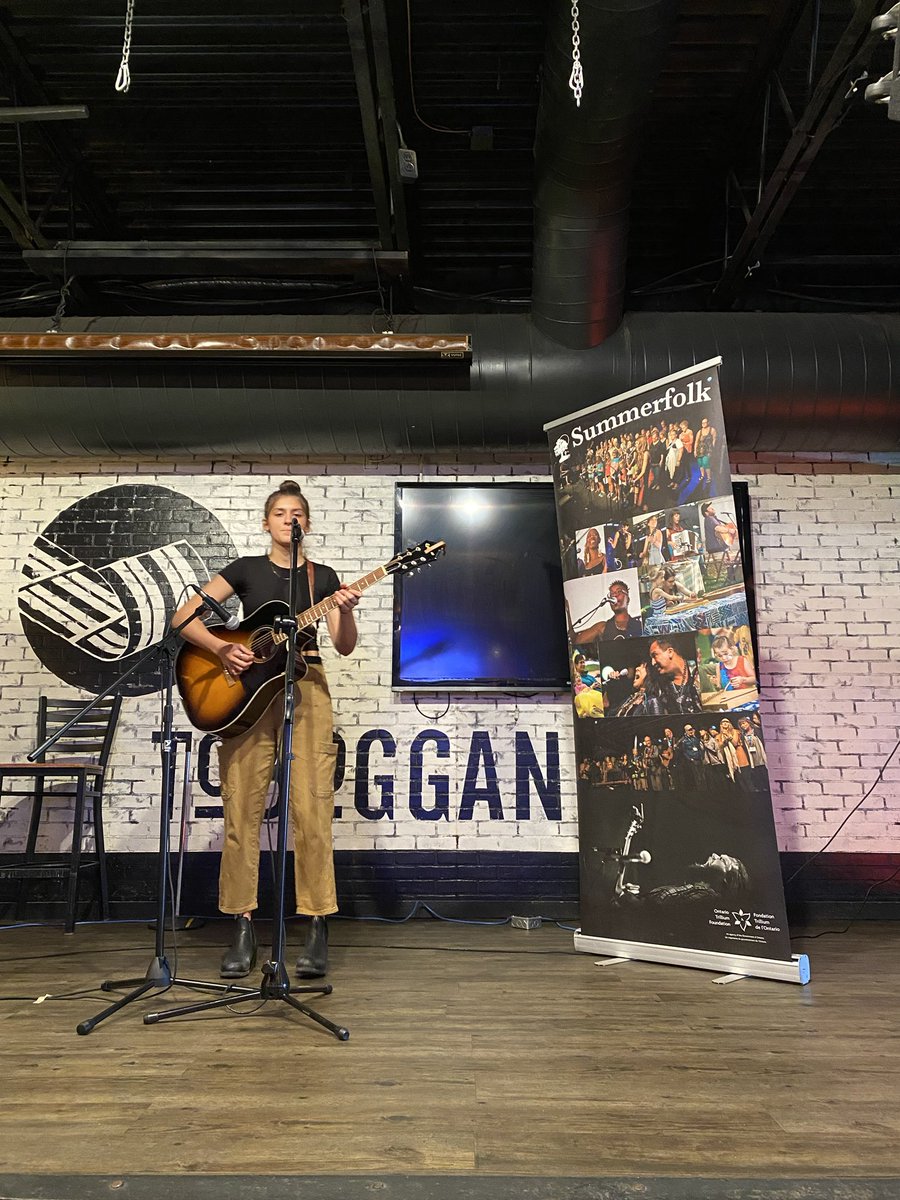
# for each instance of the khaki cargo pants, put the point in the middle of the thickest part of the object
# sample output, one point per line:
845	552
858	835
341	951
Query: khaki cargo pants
245	771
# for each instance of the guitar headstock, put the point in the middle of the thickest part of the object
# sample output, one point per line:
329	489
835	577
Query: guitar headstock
414	557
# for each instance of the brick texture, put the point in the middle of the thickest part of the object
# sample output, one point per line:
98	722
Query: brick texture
827	562
827	569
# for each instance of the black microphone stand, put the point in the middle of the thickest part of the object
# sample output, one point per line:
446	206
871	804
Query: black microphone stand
275	983
158	973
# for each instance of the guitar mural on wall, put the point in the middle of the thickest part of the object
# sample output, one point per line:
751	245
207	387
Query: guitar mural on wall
102	580
108	613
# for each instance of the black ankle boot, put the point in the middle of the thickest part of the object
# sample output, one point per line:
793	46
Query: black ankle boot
313	961
240	957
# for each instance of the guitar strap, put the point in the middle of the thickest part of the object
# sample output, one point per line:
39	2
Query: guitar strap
312	653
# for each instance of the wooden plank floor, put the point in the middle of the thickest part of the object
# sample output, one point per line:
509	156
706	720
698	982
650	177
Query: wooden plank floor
473	1050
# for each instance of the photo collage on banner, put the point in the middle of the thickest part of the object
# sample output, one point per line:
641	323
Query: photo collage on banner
675	818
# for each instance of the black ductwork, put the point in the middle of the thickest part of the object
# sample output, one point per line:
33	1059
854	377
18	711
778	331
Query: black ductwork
790	382
584	158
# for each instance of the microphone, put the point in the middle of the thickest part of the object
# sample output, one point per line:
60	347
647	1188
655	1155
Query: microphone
230	620
296	530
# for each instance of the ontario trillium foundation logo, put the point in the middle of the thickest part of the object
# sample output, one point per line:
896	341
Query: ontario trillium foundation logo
102	580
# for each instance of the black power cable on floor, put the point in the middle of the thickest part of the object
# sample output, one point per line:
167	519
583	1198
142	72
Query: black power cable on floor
808	937
811	937
855	808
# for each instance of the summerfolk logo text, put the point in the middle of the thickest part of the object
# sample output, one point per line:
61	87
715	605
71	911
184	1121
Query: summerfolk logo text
694	393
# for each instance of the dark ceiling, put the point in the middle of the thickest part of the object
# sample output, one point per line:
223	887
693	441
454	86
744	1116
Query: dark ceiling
273	130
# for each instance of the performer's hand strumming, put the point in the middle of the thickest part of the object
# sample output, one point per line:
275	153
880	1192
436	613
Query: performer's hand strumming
235	658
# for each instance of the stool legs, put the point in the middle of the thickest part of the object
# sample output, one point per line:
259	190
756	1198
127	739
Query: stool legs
34	823
88	784
75	859
100	844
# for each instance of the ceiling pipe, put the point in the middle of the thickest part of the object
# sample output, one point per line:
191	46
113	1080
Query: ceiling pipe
791	382
584	159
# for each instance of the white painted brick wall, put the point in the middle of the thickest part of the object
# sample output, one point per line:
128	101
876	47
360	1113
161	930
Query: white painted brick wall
353	530
828	570
827	559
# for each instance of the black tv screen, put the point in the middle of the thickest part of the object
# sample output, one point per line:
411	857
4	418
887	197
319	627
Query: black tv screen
489	616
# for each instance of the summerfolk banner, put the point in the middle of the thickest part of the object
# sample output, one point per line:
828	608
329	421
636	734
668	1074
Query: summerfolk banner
677	838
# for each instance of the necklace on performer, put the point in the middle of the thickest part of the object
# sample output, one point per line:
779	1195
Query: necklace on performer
277	568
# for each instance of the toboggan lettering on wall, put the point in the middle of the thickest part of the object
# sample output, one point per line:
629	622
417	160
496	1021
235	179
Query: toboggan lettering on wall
378	792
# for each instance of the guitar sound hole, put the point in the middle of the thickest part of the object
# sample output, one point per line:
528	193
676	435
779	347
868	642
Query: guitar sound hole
262	643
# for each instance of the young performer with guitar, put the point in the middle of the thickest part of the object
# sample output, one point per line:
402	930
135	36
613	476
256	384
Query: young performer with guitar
246	759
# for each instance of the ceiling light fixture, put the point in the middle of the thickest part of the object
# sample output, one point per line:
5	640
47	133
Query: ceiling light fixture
346	347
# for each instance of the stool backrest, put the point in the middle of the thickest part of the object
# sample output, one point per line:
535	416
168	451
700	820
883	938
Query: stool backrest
91	738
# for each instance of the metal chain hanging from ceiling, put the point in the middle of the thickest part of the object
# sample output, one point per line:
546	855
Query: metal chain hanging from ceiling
123	79
576	79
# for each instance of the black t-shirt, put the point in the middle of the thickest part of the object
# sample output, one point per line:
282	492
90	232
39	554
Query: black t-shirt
257	580
612	633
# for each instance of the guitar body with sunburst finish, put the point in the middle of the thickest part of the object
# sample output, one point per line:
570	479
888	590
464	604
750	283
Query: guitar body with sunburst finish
217	702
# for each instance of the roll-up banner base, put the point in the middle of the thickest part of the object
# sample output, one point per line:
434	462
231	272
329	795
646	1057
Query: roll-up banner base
795	971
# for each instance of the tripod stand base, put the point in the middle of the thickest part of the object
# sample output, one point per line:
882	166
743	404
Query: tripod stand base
274	986
157	976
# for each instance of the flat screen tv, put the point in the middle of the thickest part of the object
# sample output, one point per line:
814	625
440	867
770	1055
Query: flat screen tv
489	616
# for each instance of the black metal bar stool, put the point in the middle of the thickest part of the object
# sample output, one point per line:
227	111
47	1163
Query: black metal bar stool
82	756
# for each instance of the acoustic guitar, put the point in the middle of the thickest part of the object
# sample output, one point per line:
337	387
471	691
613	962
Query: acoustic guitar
728	532
228	705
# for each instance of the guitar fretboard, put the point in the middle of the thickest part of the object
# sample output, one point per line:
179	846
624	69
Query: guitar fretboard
324	606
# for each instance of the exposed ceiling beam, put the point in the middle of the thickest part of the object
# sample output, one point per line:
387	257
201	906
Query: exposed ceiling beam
812	129
65	156
21	113
387	108
373	70
745	110
24	231
282	259
741	121
863	261
360	49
